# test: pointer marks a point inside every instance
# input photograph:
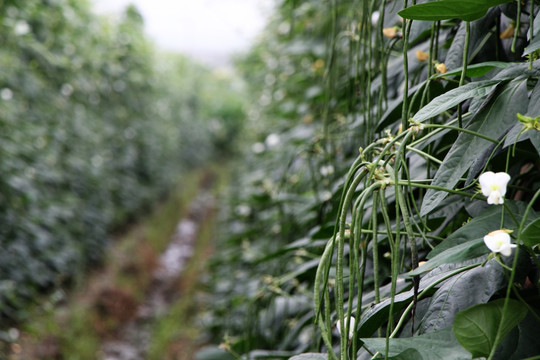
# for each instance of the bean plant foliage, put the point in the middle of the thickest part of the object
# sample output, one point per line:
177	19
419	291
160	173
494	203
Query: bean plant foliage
95	126
388	205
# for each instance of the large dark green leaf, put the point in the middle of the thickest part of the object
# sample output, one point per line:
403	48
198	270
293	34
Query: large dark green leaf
522	342
492	121
409	354
489	220
533	46
534	43
533	111
471	287
459	253
393	112
531	234
377	314
439	345
476	70
476	327
454	97
467	10
309	356
213	353
270	355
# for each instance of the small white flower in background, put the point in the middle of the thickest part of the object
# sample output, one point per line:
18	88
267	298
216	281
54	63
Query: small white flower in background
6	94
351	326
258	147
326	170
375	18
493	186
21	28
272	140
243	210
326	195
14	333
498	241
66	90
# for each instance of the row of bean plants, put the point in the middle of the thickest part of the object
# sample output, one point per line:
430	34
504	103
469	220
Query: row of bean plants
387	208
95	126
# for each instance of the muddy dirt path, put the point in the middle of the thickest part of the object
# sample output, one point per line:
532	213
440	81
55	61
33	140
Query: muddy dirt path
134	337
144	302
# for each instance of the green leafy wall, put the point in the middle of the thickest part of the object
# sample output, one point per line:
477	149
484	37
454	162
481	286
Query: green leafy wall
369	205
95	126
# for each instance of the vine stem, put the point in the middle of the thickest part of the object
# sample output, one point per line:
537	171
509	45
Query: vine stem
424	292
323	269
325	258
394	246
400	199
405	106
375	246
435	187
408	309
531	29
498	337
344	339
358	163
470	132
518	25
464	66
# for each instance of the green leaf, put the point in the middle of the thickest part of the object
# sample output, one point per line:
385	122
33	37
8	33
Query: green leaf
213	353
476	327
376	315
534	43
439	345
443	10
454	97
468	288
466	251
271	355
303	243
531	234
409	354
532	111
492	121
309	356
533	46
522	342
468	10
476	70
479	226
393	112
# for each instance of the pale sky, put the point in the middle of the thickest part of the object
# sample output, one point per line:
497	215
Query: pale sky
209	30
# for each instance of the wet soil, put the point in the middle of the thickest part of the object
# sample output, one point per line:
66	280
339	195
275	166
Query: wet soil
150	279
133	337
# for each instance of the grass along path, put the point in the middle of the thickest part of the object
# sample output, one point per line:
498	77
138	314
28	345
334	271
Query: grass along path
143	302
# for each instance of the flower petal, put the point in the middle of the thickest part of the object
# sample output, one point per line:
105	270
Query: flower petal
485	180
501	179
491	243
352	321
495	198
506	249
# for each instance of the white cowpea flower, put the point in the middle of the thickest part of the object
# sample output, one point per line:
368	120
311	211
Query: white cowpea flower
375	16
351	326
272	140
498	241
493	186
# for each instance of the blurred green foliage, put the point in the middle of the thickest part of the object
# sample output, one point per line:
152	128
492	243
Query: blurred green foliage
95	126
